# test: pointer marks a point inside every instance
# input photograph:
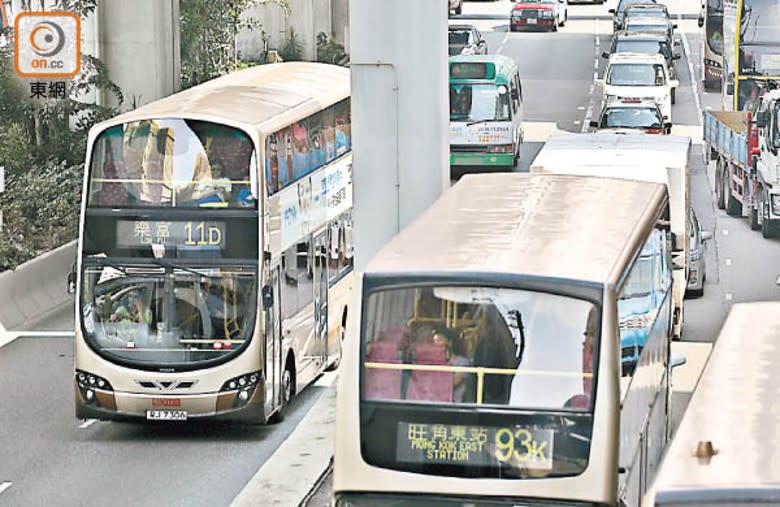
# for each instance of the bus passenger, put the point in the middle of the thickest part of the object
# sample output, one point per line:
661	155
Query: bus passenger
457	356
132	309
495	349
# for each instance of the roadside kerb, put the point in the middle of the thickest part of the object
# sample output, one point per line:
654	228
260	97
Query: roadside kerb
36	289
288	476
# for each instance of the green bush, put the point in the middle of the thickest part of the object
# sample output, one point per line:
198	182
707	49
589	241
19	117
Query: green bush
292	49
327	50
40	211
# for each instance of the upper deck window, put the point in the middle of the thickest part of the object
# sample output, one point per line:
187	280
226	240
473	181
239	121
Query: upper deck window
171	163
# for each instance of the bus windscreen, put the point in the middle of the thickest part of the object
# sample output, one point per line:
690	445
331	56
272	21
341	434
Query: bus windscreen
171	163
478	381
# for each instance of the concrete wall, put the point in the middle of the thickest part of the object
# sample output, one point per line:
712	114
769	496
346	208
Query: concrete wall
340	19
307	18
137	40
139	43
36	289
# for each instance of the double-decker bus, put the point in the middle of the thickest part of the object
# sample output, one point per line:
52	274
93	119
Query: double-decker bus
483	365
215	251
723	451
751	51
713	44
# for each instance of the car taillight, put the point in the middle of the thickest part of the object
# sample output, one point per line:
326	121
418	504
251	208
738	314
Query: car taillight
653	130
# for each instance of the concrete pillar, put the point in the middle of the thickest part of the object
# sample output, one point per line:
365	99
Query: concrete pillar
400	116
139	43
340	16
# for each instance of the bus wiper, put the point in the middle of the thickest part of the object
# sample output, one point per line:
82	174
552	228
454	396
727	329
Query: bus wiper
103	260
519	323
171	265
479	121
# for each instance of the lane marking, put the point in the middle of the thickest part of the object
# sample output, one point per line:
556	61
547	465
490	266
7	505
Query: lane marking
591	99
580	108
86	424
689	59
728	262
729	296
503	43
577	122
725	232
5	485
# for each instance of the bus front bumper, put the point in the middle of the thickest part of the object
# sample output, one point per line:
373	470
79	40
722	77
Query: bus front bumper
482	159
123	406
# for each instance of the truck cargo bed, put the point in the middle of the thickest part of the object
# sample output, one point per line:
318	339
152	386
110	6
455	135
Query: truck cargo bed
726	133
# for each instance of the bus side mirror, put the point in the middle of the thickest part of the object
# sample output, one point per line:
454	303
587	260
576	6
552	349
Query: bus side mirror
701	22
706	235
72	280
762	118
605	54
678	361
268	297
594	124
676	56
611	11
668	127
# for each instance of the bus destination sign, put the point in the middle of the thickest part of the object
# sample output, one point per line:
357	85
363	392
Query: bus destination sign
189	234
516	447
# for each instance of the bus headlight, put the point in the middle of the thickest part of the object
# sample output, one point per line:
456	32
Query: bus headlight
775	199
243	387
95	390
500	148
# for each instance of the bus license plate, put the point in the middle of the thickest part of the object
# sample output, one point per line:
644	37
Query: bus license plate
531	21
166	415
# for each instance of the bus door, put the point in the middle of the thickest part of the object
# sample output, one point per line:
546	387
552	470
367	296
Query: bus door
516	98
320	348
273	345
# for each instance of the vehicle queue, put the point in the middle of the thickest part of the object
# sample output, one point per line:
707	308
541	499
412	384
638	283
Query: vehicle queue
447	397
485	361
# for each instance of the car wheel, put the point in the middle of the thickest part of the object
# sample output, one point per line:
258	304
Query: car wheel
459	8
672	93
754	224
287	393
719	200
695	293
733	206
766	226
555	26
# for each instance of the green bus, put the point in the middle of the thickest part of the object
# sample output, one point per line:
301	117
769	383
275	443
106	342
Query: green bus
486	111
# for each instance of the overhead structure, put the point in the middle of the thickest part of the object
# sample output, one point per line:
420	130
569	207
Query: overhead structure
400	116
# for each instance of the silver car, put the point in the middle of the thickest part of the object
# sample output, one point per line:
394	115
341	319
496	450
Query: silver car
697	253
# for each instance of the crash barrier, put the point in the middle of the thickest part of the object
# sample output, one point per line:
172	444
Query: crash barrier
36	289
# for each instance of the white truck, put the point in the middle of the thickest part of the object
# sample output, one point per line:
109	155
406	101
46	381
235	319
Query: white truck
747	174
637	156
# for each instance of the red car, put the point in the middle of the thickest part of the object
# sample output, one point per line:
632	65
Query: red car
538	14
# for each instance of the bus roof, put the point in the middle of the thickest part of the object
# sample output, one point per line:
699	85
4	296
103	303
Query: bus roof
536	225
734	406
504	66
565	151
273	90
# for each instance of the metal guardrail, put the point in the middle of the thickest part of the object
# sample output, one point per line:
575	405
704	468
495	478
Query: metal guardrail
36	289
